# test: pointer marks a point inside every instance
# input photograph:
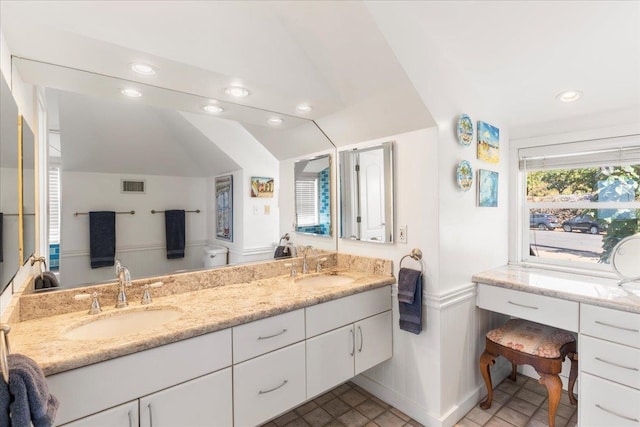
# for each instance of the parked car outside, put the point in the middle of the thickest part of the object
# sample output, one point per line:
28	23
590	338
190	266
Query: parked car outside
585	222
543	221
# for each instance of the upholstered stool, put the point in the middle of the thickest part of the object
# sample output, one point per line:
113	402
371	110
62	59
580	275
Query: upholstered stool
527	343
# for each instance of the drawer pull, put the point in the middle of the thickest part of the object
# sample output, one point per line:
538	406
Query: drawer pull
130	420
274	389
617	414
361	340
522	305
150	415
272	336
616	326
616	364
353	342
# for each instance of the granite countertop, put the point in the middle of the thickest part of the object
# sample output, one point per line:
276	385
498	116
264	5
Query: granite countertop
202	311
600	291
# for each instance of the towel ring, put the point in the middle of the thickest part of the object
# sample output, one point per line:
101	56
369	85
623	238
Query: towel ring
415	254
4	351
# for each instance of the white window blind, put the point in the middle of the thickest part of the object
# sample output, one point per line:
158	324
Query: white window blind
54	205
307	202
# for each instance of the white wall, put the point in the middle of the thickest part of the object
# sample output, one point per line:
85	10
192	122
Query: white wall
254	230
140	238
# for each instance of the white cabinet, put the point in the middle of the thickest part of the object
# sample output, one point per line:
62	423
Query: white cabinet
125	415
268	385
204	401
373	341
609	367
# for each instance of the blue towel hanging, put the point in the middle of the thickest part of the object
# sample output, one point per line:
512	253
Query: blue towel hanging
410	300
102	238
174	223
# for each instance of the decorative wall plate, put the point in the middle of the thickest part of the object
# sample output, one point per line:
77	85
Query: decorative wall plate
464	175
465	130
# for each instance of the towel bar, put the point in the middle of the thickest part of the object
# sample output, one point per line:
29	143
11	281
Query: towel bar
153	211
4	351
87	213
415	254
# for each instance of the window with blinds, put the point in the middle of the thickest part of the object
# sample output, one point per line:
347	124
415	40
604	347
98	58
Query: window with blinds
307	202
580	199
54	205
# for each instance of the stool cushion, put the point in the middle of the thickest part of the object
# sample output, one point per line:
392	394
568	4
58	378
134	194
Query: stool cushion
531	338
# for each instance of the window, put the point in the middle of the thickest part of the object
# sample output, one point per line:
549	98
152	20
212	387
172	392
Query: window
579	200
307	202
54	205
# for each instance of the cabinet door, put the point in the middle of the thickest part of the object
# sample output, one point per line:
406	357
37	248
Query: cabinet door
329	360
373	341
125	415
204	401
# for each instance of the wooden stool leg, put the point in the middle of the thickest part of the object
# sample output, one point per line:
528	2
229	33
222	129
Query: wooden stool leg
573	374
514	372
486	360
554	387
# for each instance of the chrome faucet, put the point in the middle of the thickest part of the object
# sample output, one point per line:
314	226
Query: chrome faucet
305	253
124	279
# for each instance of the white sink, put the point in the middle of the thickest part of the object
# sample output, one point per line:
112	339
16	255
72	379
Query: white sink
325	280
118	324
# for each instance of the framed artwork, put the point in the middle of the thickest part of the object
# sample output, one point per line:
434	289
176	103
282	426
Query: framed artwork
261	187
488	142
487	188
464	175
224	207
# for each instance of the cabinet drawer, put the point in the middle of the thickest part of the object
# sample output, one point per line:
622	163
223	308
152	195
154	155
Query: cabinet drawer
263	336
605	403
613	325
268	385
334	314
612	361
550	311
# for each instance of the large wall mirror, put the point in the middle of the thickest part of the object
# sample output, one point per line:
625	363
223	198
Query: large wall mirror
165	139
313	196
367	196
9	219
28	190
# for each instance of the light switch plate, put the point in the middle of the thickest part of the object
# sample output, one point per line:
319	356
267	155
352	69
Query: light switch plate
402	234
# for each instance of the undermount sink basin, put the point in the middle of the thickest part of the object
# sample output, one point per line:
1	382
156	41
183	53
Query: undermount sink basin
325	280
118	324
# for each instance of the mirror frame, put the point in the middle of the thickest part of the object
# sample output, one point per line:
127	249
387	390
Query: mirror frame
617	253
346	158
295	194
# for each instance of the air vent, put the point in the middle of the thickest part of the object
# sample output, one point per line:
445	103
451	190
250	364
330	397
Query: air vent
129	186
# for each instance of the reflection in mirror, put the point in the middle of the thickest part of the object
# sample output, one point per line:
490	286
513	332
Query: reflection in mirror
625	259
366	189
165	142
9	221
313	195
28	192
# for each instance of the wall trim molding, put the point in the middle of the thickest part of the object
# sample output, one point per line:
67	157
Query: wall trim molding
132	248
446	299
251	251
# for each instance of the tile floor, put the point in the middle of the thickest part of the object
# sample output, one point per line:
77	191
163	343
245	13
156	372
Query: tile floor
519	404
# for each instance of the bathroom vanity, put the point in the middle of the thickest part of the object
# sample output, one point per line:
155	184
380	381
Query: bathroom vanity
606	319
236	354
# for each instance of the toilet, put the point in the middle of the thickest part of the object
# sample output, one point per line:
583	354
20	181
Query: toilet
214	256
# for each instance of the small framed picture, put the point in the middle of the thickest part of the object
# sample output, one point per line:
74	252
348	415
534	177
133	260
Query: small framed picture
261	187
487	188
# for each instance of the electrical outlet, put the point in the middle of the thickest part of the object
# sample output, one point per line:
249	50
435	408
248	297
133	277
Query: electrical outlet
402	234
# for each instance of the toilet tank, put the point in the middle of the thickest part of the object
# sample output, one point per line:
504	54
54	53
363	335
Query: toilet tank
214	256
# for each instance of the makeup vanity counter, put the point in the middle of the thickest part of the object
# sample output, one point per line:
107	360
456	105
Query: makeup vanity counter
606	318
246	334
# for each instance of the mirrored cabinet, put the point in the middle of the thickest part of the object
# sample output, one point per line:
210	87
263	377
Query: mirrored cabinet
366	193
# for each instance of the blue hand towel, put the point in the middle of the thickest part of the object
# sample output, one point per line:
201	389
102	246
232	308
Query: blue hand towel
410	289
26	399
102	238
174	225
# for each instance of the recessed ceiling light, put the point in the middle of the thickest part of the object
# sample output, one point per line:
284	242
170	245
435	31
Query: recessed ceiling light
304	108
213	109
236	91
131	93
144	69
569	95
275	121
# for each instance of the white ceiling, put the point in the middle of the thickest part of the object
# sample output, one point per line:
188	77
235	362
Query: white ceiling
343	57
